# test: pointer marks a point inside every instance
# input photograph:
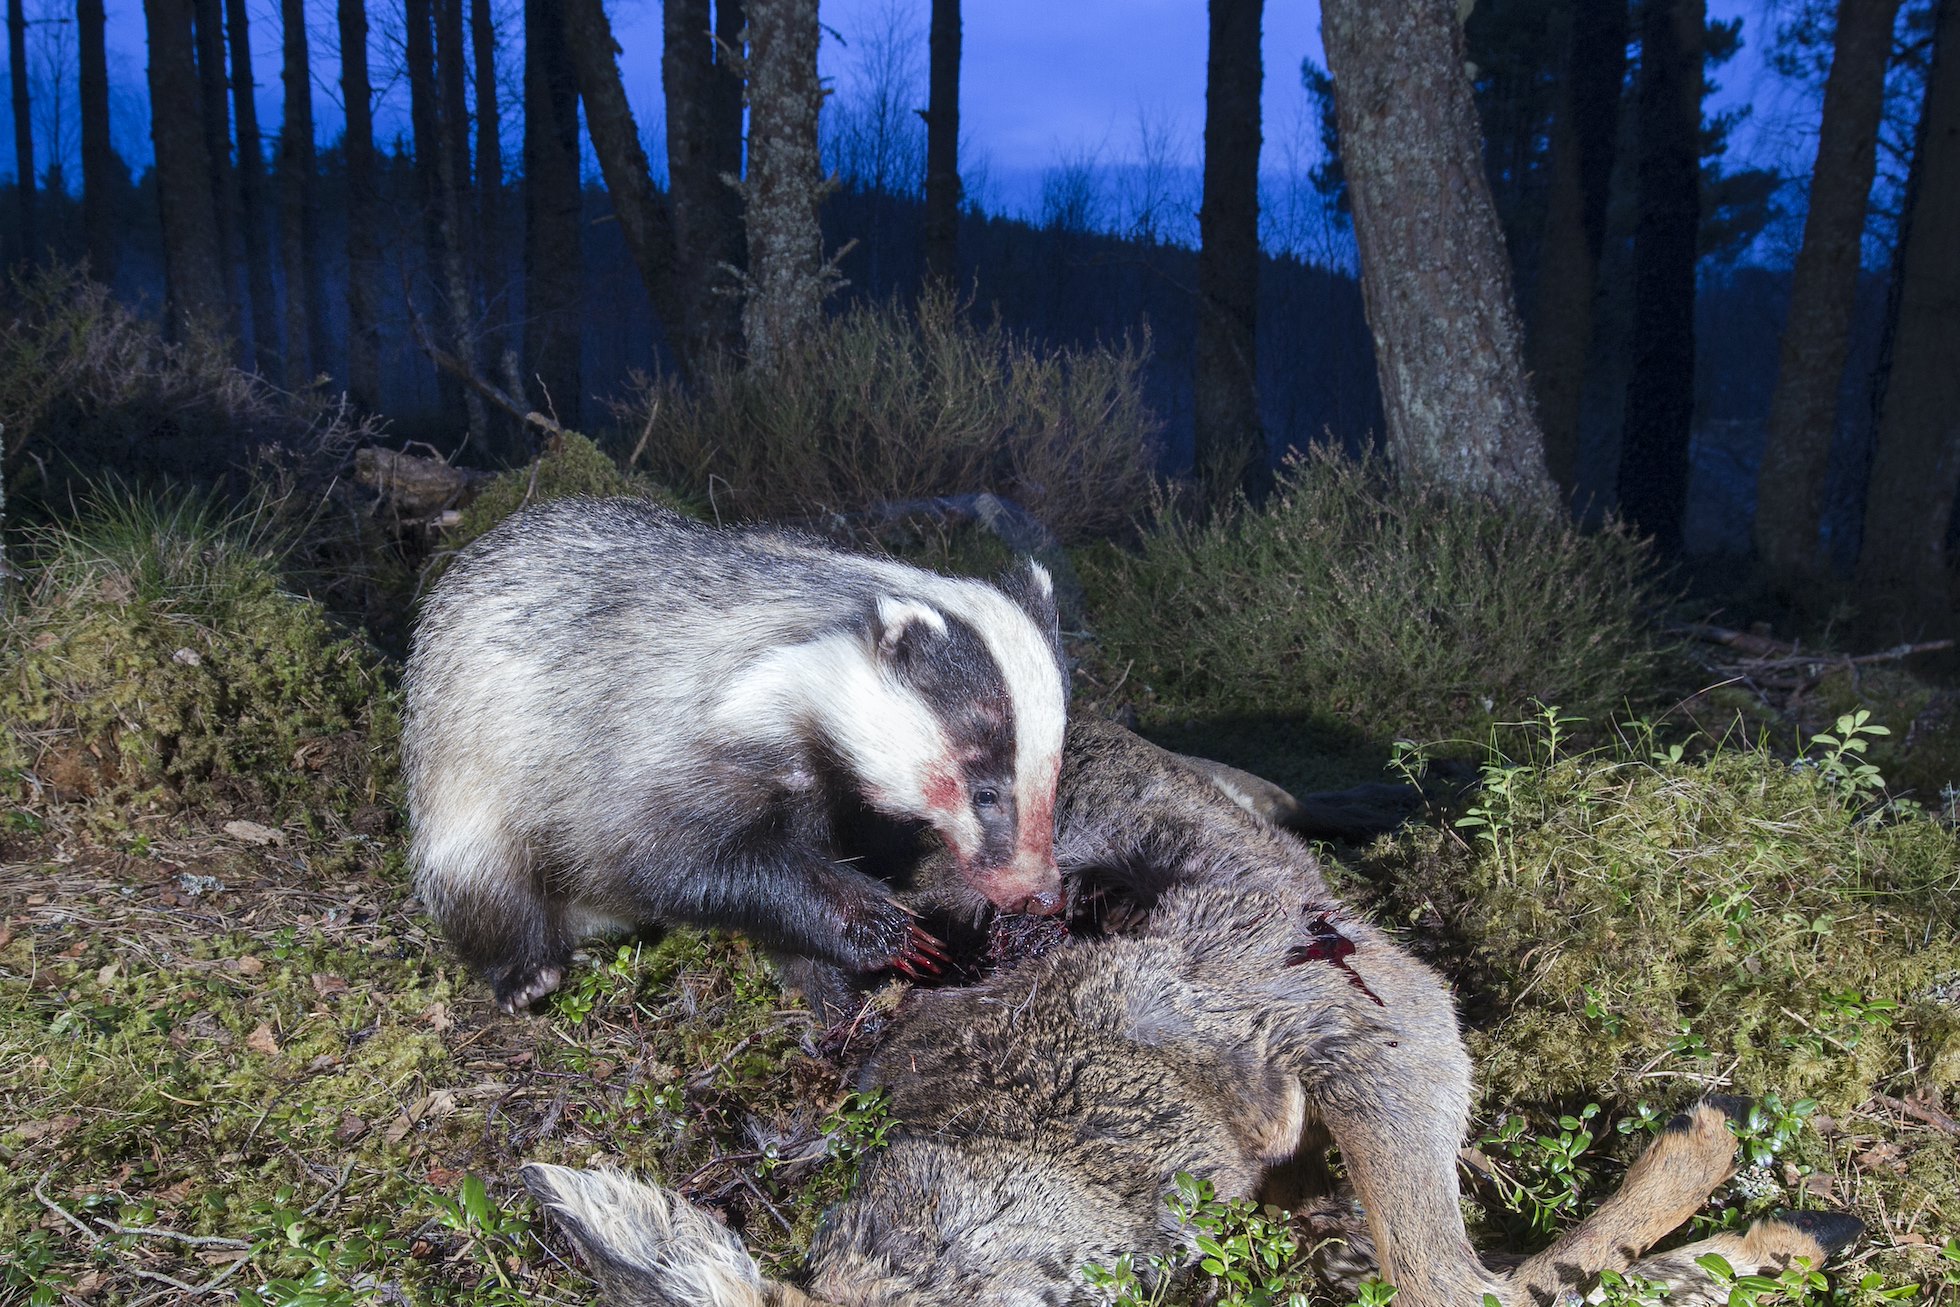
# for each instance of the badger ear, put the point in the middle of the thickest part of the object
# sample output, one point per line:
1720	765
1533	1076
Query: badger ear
1029	585
898	625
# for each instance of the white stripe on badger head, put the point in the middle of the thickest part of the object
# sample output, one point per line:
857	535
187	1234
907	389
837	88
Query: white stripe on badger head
896	616
890	738
1034	688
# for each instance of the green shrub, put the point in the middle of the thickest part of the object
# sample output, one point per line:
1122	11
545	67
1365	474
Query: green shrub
883	404
1624	925
1398	611
155	656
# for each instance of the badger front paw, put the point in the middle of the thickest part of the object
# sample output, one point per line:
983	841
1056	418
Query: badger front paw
922	955
891	940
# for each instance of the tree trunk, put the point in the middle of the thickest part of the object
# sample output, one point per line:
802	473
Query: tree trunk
458	238
425	127
296	167
552	262
216	116
1585	128
252	206
1434	277
788	278
491	273
193	280
1916	462
363	211
1823	291
1230	447
103	177
1660	406
639	207
729	127
942	216
24	180
690	73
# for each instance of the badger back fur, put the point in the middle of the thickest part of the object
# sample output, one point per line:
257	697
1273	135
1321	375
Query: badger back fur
616	717
1040	1117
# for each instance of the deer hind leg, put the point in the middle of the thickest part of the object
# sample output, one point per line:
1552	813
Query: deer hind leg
1388	1078
1692	1157
1768	1247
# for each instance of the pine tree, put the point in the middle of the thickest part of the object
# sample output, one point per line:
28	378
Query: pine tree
1434	277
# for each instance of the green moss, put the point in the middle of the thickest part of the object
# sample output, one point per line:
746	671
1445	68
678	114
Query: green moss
157	658
1626	929
570	465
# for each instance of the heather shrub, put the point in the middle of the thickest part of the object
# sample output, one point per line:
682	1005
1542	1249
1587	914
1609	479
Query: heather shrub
86	383
1396	610
886	404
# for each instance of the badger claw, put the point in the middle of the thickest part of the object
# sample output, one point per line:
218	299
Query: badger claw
921	955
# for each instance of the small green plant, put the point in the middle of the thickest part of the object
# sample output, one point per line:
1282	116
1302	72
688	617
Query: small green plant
583	989
1772	1127
490	1231
1548	1172
1597	1009
1627	1290
316	1266
1123	1287
27	1273
1645	1119
1247	1251
1250	1255
858	1126
1380	1293
1840	758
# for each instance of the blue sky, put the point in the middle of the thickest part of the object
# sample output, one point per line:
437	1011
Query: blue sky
1044	81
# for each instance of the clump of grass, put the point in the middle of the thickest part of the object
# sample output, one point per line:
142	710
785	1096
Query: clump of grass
156	658
886	404
1397	610
1635	927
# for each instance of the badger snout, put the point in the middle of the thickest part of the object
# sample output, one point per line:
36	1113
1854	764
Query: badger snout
1046	903
1031	887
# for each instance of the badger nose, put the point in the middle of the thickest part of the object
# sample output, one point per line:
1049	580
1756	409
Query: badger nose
1044	904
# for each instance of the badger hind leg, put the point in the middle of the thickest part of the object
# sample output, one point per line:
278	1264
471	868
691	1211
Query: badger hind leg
492	904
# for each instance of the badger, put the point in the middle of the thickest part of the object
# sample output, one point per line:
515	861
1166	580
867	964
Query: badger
617	717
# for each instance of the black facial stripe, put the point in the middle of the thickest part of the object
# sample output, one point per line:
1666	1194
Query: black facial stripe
957	677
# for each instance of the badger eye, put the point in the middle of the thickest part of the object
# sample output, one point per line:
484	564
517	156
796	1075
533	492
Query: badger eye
986	797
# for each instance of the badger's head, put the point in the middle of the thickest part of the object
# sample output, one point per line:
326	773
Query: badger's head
967	730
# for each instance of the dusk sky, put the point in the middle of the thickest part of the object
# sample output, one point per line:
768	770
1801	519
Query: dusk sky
1043	80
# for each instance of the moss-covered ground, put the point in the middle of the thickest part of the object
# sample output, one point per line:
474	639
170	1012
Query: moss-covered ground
236	1063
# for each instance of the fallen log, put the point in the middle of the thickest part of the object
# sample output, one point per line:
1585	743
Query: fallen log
414	486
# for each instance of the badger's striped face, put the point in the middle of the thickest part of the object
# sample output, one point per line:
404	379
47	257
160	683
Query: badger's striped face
987	677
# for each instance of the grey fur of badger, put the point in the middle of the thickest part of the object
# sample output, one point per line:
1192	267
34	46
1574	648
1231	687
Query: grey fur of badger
619	717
